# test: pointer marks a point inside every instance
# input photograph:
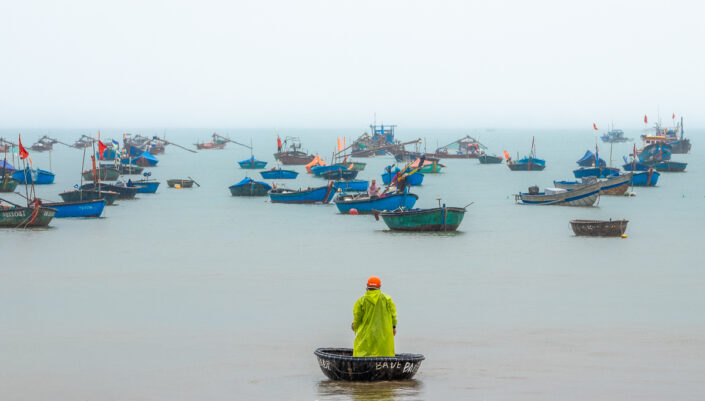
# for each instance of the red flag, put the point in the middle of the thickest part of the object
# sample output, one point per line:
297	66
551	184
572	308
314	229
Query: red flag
673	117
279	143
340	145
23	152
594	126
646	120
101	149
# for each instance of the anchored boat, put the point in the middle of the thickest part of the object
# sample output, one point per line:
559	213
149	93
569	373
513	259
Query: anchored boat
599	228
339	364
86	208
182	183
252	163
309	195
616	185
34	176
363	203
585	196
351	185
528	163
279	174
250	187
437	219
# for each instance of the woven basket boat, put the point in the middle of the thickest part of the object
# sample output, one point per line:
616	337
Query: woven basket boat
599	228
339	364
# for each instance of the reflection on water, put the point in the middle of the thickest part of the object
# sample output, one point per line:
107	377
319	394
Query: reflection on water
423	233
368	391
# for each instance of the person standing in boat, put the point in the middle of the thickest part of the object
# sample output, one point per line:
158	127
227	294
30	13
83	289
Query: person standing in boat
374	322
373	190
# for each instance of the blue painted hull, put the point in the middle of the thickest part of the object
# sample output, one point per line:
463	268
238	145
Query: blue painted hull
352	185
389	202
90	208
318	170
313	195
637	166
148	187
40	177
414	179
601	172
279	174
645	179
252	163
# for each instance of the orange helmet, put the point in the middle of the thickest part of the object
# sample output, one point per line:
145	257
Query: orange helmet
374	282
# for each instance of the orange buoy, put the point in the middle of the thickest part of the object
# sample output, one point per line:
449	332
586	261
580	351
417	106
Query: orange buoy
353	211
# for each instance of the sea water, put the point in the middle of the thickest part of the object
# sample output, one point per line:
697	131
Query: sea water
192	294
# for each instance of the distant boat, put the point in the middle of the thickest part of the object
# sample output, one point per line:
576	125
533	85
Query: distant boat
182	183
145	159
250	187
674	137
528	163
319	170
436	219
363	203
124	169
413	179
616	185
123	192
279	174
252	163
645	178
490	159
614	136
585	196
309	195
104	173
599	172
351	185
216	143
588	160
669	166
292	156
81	195
86	208
146	186
340	174
466	147
36	176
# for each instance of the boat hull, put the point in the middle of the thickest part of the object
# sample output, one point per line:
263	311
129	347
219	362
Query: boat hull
436	219
359	166
105	174
670	167
87	208
124	169
599	228
252	164
122	191
23	217
367	205
279	174
340	174
351	185
294	158
599	172
525	166
339	364
585	196
78	195
413	180
249	187
487	159
146	187
645	178
182	183
8	184
312	195
611	186
37	176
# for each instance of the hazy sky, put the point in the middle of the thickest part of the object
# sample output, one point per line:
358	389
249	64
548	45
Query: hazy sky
334	63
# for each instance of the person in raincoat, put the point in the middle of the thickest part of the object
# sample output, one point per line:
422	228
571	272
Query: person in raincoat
374	323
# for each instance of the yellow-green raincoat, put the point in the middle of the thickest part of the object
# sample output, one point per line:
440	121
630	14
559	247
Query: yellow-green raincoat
375	316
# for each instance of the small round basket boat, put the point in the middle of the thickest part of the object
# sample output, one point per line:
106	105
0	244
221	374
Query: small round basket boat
339	364
599	228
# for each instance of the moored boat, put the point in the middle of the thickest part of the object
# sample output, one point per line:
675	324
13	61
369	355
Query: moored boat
182	183
466	147
123	191
292	156
309	195
527	163
8	184
104	173
363	203
490	159
584	196
351	185
359	166
252	163
34	176
124	169
614	185
645	178
23	217
413	179
436	219
250	187
86	208
146	186
279	174
81	195
669	166
599	172
339	364
599	228
340	174
145	159
428	167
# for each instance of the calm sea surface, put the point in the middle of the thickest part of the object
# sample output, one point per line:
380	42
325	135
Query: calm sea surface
193	294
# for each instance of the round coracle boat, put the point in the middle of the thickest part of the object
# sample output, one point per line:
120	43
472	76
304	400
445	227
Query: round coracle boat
339	364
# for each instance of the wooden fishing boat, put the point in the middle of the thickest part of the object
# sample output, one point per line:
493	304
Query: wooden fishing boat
252	163
351	185
85	194
674	137
669	166
339	364
124	169
413	179
528	163
123	191
363	203
324	168
23	217
104	173
437	219
490	159
585	196
380	141
146	186
645	178
340	174
145	159
599	172
279	174
86	208
211	145
588	160
34	176
293	156
181	182
309	195
614	136
616	185
8	184
44	144
250	187
466	147
599	228
84	141
359	166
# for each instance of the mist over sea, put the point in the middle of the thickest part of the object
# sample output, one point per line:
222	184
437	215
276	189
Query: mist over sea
193	294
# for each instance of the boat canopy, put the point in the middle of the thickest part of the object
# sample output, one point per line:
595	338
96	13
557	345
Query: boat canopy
6	165
149	157
588	160
248	180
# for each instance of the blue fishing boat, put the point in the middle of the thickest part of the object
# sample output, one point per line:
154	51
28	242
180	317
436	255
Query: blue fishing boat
309	195
319	170
366	204
635	166
614	135
413	179
351	185
527	163
655	151
599	172
36	176
645	178
279	174
669	166
252	163
249	187
588	160
145	159
146	186
87	208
